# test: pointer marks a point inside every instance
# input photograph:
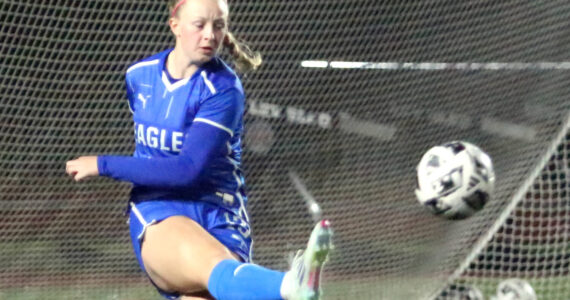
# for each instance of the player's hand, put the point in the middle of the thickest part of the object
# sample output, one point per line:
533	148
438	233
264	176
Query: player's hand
82	167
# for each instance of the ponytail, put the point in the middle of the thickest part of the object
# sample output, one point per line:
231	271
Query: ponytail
244	58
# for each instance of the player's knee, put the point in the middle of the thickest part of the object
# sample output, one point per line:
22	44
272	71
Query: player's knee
195	267
205	262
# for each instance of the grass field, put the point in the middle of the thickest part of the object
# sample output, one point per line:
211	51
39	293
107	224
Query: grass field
554	288
143	292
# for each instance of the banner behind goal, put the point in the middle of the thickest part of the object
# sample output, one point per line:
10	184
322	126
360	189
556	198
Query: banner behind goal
350	95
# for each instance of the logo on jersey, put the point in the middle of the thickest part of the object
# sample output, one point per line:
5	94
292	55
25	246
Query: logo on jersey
142	99
163	139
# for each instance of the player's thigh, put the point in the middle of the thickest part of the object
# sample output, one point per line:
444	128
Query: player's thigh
179	254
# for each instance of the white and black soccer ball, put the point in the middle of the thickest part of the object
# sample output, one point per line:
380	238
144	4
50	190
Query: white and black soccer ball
455	180
515	289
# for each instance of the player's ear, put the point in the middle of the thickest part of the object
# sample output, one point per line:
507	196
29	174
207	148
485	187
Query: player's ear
174	26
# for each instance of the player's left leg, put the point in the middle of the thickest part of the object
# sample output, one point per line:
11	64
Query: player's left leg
181	257
178	254
208	264
301	282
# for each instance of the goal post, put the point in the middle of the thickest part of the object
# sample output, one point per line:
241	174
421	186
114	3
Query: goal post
530	239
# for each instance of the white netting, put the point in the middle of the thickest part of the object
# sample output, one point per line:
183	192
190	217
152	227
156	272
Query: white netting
530	239
494	73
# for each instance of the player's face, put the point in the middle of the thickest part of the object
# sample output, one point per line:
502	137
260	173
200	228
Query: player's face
200	28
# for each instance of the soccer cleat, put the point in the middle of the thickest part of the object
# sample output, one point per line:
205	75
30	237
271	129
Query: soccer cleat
308	264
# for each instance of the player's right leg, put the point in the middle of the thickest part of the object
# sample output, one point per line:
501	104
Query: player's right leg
303	281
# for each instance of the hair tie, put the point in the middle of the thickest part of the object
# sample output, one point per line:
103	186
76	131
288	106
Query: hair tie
177	6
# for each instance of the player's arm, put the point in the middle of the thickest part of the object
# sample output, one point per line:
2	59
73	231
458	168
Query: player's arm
204	140
130	89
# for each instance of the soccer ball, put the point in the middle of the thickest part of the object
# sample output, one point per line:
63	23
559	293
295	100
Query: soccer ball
515	289
455	180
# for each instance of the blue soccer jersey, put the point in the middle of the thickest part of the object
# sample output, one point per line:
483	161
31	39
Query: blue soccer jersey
187	135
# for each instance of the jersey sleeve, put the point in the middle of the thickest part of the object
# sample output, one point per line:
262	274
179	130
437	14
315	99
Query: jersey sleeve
203	141
223	110
130	89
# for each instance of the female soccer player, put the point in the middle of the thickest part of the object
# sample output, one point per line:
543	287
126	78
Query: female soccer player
188	221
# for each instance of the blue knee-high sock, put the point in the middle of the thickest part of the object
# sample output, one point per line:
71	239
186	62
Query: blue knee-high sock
234	280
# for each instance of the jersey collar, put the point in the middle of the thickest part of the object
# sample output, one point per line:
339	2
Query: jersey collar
173	86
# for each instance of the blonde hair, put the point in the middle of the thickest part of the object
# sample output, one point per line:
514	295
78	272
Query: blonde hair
244	58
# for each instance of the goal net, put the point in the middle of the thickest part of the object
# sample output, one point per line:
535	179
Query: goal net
349	97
